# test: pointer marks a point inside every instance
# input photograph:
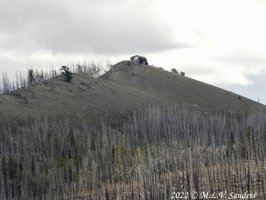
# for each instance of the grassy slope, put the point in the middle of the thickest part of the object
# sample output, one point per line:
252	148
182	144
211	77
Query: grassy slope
123	88
169	87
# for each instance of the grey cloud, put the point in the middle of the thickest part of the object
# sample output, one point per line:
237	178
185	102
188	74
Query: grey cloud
113	27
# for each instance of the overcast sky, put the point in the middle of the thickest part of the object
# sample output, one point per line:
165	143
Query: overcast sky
221	42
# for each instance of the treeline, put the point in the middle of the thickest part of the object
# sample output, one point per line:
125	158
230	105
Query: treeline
158	151
40	76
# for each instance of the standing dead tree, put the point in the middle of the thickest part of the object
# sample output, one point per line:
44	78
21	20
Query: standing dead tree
35	78
6	83
30	77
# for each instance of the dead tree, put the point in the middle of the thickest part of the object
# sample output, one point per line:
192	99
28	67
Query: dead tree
30	77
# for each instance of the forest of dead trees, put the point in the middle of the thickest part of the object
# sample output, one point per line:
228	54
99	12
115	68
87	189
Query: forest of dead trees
157	152
39	76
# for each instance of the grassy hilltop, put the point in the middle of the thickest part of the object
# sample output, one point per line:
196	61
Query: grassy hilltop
125	87
136	132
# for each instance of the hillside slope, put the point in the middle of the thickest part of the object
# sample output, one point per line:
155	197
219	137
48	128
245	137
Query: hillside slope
123	88
168	87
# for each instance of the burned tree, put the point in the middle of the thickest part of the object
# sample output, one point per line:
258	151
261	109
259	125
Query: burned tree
35	78
30	77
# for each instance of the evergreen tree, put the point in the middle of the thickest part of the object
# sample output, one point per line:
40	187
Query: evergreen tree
66	74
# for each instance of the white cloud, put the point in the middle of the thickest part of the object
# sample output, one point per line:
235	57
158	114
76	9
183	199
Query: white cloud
201	64
225	23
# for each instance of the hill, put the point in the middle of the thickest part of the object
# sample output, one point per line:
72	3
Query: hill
136	132
122	89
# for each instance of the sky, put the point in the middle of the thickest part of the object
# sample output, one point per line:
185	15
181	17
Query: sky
220	42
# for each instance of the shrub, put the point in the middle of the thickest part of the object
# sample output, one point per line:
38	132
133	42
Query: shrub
174	70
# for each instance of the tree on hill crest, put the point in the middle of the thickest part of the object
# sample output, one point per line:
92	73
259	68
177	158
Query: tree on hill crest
66	74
